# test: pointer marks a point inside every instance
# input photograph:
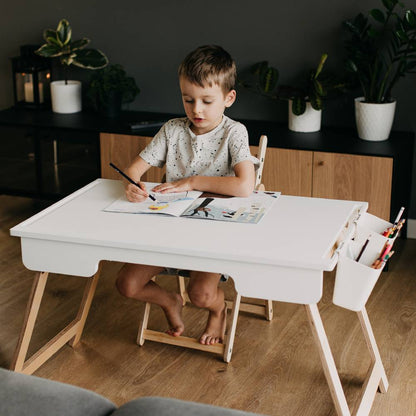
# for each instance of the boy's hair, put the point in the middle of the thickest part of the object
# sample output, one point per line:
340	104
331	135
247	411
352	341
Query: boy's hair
209	64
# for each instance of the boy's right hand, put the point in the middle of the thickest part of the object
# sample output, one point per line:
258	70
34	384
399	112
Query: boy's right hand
136	193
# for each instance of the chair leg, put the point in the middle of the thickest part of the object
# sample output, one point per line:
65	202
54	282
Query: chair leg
268	304
182	289
143	325
229	344
225	349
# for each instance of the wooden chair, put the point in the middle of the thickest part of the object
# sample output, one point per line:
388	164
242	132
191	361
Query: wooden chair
235	305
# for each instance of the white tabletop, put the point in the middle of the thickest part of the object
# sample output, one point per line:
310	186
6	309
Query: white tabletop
296	233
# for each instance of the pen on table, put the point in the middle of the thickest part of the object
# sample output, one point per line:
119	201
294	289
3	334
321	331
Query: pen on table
129	179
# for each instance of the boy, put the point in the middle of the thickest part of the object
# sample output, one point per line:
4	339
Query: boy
205	151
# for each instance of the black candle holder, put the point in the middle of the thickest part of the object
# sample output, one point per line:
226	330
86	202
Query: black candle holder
31	79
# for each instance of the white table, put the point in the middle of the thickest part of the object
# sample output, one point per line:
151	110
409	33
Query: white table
281	258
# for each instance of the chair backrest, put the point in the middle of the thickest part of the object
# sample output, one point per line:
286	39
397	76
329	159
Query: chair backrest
261	155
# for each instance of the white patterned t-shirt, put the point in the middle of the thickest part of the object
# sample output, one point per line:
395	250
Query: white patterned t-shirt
186	154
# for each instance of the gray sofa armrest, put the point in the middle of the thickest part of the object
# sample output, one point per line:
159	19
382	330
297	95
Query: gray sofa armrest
158	406
23	395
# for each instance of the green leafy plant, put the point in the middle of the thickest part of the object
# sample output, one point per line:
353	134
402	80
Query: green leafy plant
59	44
312	87
111	80
381	49
265	79
309	89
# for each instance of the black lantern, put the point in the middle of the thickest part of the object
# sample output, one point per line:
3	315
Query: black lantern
31	79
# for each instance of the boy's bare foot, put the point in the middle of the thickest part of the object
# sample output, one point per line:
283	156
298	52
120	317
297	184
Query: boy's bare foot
215	330
174	316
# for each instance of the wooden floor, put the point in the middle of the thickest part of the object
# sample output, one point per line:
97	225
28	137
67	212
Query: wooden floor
275	368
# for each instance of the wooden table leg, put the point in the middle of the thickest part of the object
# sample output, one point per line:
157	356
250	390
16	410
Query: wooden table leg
328	363
376	376
72	331
84	308
32	310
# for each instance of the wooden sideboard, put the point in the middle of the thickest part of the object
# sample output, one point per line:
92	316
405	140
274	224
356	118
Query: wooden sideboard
331	175
332	163
292	172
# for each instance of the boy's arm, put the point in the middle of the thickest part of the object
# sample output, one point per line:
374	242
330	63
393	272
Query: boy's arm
242	184
135	171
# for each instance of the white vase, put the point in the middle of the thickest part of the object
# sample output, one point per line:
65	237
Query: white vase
307	122
66	98
374	121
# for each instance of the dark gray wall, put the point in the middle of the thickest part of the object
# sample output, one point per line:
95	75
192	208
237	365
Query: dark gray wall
150	38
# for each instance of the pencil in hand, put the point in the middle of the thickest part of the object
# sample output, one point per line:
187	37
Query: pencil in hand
129	179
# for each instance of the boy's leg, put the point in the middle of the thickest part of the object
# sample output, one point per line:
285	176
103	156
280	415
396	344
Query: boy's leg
204	292
135	281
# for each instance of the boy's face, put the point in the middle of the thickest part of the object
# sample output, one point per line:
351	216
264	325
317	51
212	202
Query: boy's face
204	106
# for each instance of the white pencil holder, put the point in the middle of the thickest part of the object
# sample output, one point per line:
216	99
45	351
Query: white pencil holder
355	280
370	224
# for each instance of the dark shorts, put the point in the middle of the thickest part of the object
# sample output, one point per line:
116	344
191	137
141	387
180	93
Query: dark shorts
187	273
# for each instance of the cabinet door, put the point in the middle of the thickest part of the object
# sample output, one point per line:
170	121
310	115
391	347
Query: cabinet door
288	171
18	170
121	149
69	159
356	178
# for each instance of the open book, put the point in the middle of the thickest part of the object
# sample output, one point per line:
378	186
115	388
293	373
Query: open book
191	204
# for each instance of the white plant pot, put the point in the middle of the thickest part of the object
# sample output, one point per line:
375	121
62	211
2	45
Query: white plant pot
66	98
374	121
307	122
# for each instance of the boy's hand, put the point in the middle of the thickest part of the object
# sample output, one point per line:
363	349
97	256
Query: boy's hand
136	193
182	185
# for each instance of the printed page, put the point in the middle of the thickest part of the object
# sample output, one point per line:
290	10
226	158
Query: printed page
170	203
246	210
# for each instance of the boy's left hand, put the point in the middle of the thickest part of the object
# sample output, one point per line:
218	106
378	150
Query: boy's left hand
182	185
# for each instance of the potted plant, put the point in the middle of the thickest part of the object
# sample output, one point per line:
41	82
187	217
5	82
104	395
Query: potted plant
381	49
306	100
305	97
110	87
66	94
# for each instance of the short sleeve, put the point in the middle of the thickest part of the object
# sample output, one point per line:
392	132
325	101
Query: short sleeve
155	152
238	146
